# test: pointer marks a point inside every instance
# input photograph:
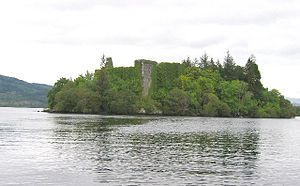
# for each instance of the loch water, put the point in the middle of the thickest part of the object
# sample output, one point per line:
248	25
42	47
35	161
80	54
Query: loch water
39	148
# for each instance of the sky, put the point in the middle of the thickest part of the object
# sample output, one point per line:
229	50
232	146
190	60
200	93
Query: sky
43	40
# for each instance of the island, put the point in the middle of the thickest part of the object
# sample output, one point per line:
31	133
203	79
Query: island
197	87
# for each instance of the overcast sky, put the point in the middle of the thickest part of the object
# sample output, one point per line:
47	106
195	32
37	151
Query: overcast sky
43	40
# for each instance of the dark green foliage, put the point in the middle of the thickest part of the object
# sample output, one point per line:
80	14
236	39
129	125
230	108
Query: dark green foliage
58	86
164	78
252	77
273	104
297	110
167	73
206	63
188	62
199	87
236	95
101	82
123	102
123	78
124	90
231	71
78	96
17	93
66	99
102	61
109	90
286	108
214	107
228	71
149	106
176	103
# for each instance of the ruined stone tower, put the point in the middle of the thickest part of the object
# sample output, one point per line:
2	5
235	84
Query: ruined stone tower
146	69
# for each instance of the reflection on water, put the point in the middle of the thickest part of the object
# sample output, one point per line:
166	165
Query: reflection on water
132	154
87	128
39	148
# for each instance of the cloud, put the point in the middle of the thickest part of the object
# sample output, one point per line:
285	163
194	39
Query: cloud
78	31
291	51
83	5
240	17
159	40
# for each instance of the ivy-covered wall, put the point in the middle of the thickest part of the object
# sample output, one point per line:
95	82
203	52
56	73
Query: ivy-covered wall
156	78
167	73
121	78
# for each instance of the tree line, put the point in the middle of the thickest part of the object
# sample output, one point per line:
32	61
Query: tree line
297	110
199	87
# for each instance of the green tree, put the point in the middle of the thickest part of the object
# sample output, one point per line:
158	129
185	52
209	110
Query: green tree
252	77
230	70
228	67
176	103
123	102
102	61
273	104
56	88
88	101
234	94
102	87
204	61
187	62
213	107
286	108
66	99
248	105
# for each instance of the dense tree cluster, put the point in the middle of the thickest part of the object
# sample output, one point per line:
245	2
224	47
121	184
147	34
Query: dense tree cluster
297	110
198	87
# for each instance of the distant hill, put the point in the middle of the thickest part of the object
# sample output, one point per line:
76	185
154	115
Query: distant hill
18	93
295	101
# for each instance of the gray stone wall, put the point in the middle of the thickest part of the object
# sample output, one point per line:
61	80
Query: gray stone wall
146	67
146	77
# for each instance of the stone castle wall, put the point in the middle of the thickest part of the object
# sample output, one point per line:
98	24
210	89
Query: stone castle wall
146	68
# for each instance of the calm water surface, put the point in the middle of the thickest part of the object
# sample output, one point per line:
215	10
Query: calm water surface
58	149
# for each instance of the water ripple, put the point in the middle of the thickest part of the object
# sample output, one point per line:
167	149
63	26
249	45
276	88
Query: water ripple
64	149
